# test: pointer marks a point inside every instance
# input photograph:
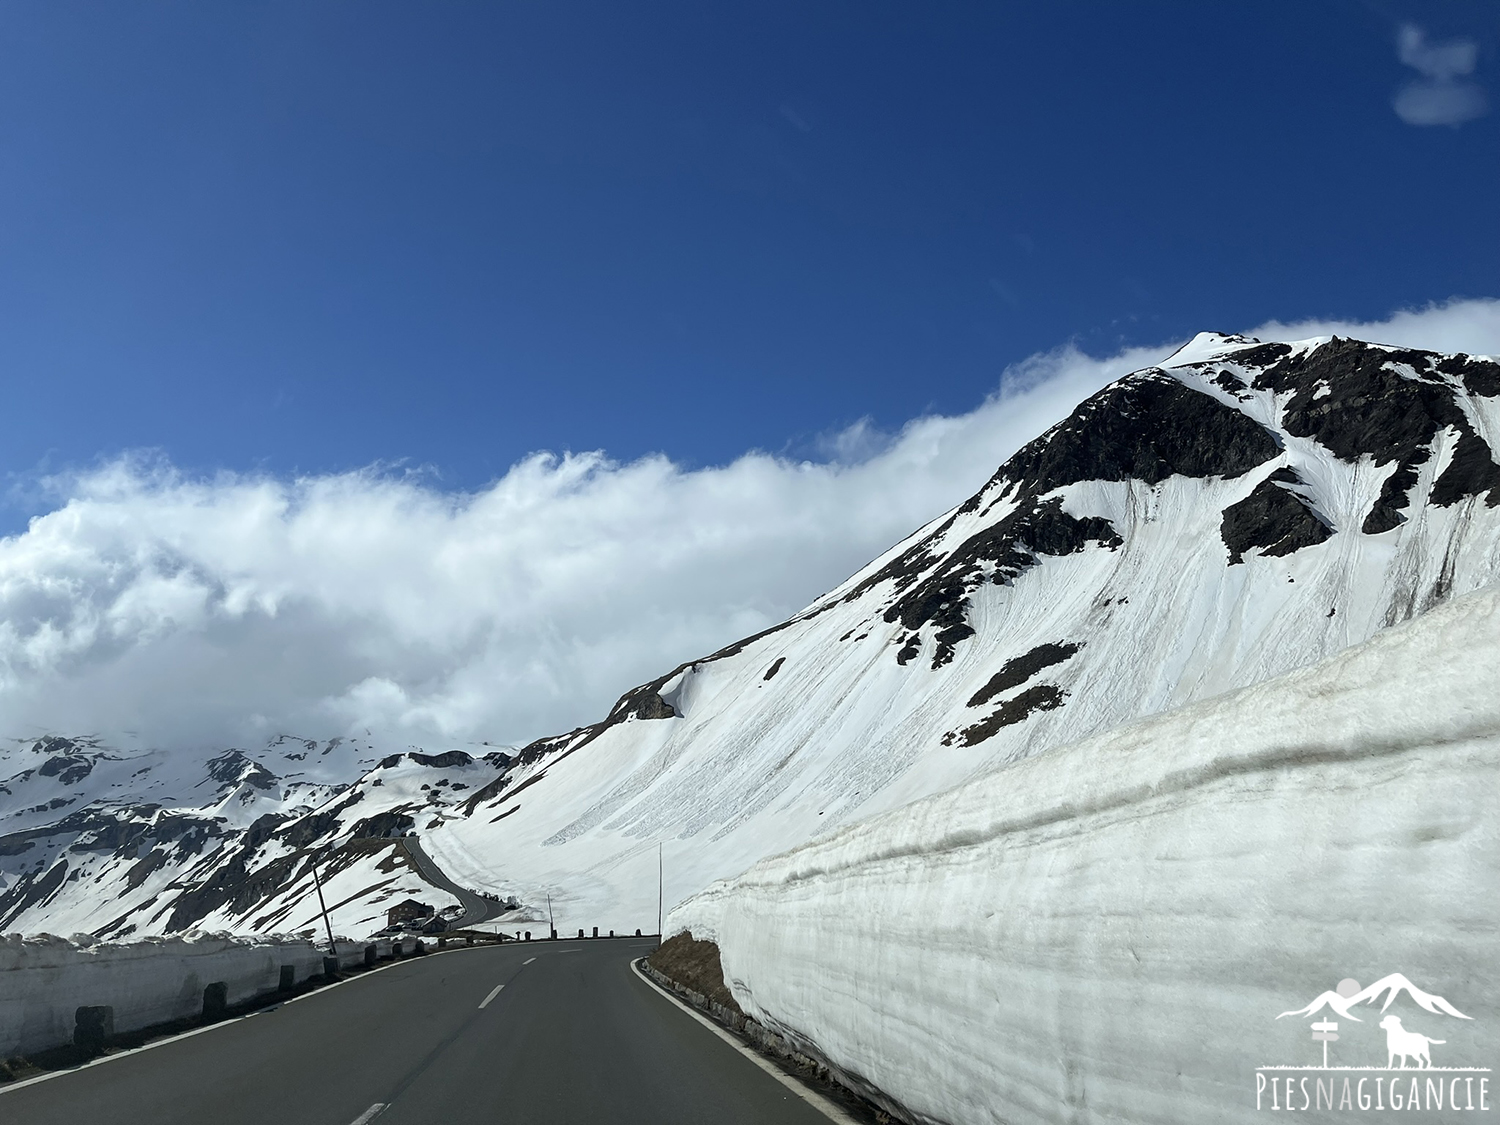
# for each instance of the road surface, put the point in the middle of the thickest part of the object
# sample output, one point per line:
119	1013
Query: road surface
476	909
561	1032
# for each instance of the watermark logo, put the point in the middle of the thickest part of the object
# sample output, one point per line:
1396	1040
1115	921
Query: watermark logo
1342	1083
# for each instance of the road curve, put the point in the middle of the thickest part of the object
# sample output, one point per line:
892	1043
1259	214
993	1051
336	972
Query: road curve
476	909
556	1031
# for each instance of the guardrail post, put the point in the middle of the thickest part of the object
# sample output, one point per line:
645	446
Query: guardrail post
637	931
596	931
288	978
528	935
331	967
580	933
93	1026
371	956
215	1000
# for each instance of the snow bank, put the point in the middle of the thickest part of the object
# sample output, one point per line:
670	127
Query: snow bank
1109	931
45	979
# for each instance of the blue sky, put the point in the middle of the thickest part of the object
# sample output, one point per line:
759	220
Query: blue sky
304	238
804	273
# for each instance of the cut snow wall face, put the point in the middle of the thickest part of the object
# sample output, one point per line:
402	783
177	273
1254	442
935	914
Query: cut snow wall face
43	981
1109	932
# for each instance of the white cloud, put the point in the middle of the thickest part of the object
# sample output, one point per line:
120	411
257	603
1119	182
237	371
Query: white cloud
206	611
1441	97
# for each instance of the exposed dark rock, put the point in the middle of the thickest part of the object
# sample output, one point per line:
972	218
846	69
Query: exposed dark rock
382	825
1480	376
1273	518
446	760
314	826
1372	409
232	884
1472	472
29	890
233	768
1394	498
644	702
68	769
55	744
1016	671
998	553
774	668
1147	427
1042	697
142	868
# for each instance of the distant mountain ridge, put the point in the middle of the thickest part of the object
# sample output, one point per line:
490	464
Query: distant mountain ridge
1239	510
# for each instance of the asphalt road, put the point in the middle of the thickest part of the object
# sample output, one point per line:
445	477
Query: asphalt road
573	1037
476	909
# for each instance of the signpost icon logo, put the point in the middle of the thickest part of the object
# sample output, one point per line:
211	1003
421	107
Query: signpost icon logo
1327	1029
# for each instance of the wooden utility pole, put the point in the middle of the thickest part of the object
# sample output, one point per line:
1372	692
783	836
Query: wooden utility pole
660	882
333	949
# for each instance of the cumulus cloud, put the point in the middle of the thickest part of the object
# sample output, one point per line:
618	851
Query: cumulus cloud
200	612
1442	96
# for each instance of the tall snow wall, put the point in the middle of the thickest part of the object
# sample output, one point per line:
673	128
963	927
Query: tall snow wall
44	980
1108	932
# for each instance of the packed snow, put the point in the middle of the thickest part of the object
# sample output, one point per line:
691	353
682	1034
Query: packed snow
45	980
1110	931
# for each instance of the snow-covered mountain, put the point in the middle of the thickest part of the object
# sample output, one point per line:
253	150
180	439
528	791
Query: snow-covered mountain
1241	510
124	841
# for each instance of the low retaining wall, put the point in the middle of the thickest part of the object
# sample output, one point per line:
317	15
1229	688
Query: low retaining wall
44	980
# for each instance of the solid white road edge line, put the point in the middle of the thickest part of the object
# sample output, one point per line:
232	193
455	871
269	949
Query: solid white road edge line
483	1004
528	960
806	1093
366	975
365	1117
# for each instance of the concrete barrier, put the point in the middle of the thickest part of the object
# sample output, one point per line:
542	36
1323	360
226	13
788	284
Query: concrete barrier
215	1000
93	1026
45	981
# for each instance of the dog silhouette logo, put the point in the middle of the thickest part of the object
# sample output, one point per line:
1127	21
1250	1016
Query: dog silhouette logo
1399	1041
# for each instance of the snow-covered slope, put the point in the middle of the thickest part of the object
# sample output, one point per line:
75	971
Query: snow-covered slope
1131	927
148	842
1242	510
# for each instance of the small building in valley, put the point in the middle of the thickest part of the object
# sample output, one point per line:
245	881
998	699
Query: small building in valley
408	911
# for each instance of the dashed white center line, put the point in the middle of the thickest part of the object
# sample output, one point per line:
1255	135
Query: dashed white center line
528	960
368	1115
485	1004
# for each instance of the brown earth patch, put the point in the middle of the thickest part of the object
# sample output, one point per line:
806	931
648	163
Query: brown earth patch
695	965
